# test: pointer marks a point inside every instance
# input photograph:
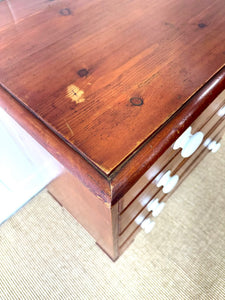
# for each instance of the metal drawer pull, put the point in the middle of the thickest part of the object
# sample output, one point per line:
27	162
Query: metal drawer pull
213	146
221	111
167	182
188	142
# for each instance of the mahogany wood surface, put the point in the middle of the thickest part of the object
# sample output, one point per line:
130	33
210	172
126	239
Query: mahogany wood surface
69	158
107	87
127	174
105	75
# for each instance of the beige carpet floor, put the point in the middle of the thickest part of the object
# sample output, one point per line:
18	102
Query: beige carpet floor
46	254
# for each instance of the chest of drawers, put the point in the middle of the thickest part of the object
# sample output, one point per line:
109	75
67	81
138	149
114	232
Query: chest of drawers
127	96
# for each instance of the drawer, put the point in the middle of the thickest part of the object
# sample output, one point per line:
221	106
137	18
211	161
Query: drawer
128	236
176	165
180	167
203	123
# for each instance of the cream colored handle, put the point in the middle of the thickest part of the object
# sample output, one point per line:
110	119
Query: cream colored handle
152	204
213	146
158	209
168	182
221	111
146	224
155	207
188	142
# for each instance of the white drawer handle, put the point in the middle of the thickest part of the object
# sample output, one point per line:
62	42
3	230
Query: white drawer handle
188	142
147	225
155	207
213	146
157	210
139	219
152	204
221	112
167	182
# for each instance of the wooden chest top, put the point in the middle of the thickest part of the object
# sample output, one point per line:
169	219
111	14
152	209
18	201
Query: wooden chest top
105	75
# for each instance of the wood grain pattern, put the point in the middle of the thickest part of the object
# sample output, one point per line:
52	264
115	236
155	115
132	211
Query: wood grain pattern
127	174
70	159
111	51
107	87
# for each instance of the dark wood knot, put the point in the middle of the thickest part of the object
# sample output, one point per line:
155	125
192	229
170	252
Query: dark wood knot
136	101
202	25
83	72
65	12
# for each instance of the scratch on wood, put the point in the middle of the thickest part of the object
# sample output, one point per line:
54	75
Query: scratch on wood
76	94
148	80
70	129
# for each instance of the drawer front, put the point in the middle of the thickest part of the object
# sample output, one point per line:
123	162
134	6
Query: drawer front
172	164
176	166
129	226
128	236
203	123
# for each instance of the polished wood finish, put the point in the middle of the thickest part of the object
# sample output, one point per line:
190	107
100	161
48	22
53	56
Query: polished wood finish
127	174
77	65
48	47
58	148
107	87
